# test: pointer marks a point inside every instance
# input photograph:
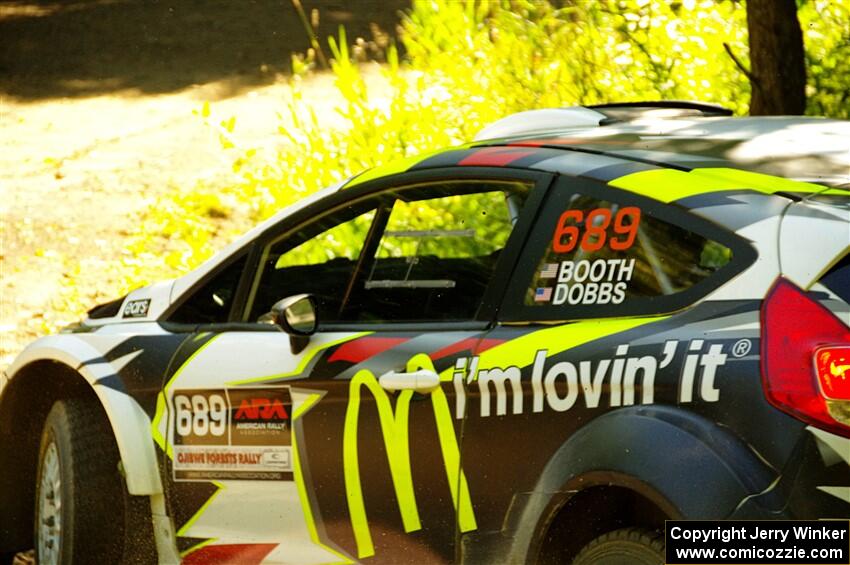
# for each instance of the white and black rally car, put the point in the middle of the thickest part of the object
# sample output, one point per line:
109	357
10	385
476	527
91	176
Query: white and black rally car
534	347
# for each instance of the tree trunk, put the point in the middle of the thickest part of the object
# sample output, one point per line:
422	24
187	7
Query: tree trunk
777	66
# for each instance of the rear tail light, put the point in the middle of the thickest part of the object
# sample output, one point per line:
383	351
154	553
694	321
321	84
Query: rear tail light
805	358
832	365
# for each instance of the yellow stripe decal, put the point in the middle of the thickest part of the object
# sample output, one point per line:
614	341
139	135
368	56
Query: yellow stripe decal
401	165
160	412
197	546
557	339
308	356
668	185
765	183
392	168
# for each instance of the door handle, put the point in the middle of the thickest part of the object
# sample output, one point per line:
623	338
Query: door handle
418	381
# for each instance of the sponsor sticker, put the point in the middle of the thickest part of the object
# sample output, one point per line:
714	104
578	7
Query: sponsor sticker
243	433
622	379
137	308
590	230
595	281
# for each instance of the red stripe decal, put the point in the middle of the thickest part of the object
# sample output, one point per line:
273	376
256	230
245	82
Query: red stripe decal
569	141
494	157
363	348
472	344
230	554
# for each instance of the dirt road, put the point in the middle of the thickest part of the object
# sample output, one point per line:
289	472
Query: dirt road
94	129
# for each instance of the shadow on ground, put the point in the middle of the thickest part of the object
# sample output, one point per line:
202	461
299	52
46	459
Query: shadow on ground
73	48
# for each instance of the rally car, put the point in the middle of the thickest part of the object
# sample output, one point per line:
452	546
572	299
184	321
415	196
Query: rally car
535	347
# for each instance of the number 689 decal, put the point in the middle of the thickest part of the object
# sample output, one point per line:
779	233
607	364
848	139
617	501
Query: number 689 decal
568	232
200	414
248	415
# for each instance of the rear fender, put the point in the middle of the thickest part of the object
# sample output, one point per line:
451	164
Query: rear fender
635	448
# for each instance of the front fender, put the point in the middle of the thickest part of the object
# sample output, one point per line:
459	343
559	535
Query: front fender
131	426
670	457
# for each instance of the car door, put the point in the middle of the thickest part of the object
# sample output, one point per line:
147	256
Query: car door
602	314
325	449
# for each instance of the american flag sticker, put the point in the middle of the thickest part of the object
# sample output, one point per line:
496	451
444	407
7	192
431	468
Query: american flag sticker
543	295
549	271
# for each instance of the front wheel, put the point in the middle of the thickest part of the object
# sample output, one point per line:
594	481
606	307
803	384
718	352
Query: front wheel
624	547
82	509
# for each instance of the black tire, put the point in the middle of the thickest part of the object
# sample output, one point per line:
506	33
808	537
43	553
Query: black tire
624	547
95	513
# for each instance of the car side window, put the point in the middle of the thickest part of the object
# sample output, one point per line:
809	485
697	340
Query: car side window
437	255
307	262
211	303
418	253
603	253
598	253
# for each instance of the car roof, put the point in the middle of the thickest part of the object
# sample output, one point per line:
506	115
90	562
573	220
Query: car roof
800	148
608	141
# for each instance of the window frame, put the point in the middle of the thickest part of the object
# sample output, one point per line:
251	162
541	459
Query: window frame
345	197
182	327
254	279
514	309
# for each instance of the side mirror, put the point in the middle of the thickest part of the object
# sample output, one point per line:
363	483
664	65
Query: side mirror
296	315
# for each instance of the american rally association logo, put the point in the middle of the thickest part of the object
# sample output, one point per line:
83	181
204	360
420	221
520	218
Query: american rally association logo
262	409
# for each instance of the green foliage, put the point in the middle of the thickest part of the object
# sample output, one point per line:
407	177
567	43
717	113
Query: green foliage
467	64
483	218
826	31
497	59
342	241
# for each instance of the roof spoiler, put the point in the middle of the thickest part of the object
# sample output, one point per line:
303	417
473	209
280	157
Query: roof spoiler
535	122
705	108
